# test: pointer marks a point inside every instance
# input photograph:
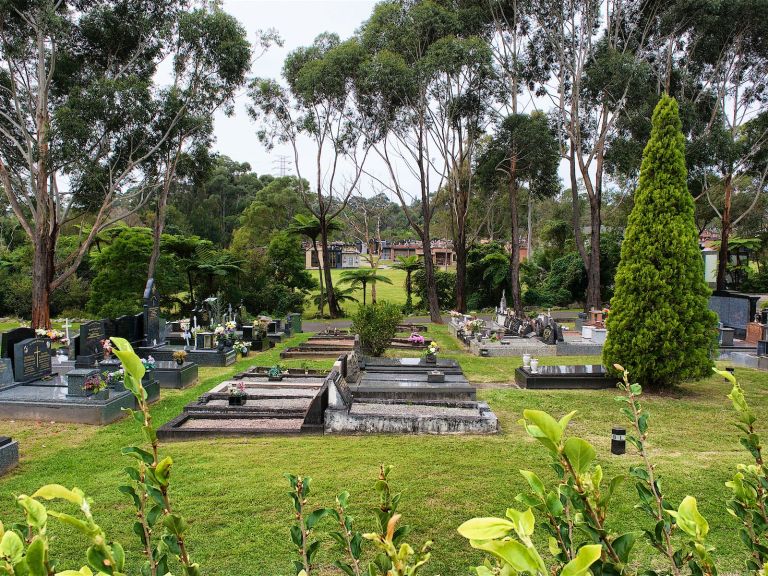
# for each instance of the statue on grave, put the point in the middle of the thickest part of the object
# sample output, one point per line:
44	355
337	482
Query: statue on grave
503	303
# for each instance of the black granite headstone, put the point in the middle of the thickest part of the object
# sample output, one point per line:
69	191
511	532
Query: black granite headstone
91	335
125	327
12	337
139	326
6	372
151	313
32	359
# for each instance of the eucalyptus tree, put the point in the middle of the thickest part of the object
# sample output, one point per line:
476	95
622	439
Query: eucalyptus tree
591	54
80	119
524	150
319	104
724	48
211	57
420	110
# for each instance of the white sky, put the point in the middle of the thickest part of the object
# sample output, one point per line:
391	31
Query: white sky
298	22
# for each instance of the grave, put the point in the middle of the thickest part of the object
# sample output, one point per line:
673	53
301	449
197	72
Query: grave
406	395
324	346
589	377
155	345
37	393
735	310
174	375
89	349
9	454
293	405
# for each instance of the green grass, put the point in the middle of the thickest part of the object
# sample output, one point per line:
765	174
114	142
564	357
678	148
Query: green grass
234	493
394	292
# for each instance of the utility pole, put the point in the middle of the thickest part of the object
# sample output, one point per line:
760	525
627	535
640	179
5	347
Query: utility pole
281	163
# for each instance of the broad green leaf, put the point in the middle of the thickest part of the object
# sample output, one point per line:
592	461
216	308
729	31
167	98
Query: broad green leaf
510	551
623	546
689	519
80	525
139	454
131	362
580	454
486	528
53	491
585	557
35	557
11	547
566	419
545	424
534	482
524	521
84	571
36	513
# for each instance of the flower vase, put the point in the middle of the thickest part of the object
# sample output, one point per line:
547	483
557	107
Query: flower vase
526	360
179	362
534	366
220	346
430	359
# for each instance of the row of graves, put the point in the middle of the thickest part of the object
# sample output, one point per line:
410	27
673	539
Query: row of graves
359	395
507	334
38	384
742	330
332	342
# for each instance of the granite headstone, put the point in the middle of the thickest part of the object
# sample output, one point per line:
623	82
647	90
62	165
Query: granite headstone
32	359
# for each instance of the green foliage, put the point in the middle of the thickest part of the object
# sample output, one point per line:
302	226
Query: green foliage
121	273
487	275
445	284
409	264
660	324
377	325
363	277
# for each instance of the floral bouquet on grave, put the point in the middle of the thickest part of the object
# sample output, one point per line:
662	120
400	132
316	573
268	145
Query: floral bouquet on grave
184	325
149	363
432	349
94	384
54	335
474	326
416	339
230	327
114	379
455	314
106	345
276	371
237	390
220	333
241	347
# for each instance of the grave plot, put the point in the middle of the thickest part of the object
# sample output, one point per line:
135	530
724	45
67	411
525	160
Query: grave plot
406	395
9	454
254	403
588	377
30	390
323	346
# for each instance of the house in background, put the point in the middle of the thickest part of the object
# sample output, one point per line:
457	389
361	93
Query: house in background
341	255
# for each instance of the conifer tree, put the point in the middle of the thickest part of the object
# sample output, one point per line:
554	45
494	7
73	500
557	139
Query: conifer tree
659	326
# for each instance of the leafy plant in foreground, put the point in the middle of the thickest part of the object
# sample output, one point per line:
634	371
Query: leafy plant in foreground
25	548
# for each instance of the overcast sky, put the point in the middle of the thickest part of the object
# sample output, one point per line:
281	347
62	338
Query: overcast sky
298	23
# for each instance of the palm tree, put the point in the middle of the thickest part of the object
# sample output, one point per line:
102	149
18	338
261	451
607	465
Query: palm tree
309	226
342	295
409	264
363	276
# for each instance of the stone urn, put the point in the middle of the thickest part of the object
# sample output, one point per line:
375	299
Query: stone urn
534	366
526	360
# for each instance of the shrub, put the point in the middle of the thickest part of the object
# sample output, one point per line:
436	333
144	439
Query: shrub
445	283
377	325
659	321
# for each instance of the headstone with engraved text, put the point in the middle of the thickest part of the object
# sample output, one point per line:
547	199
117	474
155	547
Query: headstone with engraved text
32	359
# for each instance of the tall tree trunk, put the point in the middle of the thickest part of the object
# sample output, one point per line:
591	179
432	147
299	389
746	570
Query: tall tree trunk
576	216
364	293
725	232
42	275
514	256
429	276
319	274
333	307
529	239
460	248
594	298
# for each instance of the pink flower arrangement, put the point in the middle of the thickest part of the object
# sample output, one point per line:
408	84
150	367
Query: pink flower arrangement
416	338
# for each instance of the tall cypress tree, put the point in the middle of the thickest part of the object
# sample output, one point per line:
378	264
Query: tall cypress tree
659	326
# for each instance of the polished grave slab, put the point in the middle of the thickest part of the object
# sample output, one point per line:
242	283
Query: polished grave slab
589	376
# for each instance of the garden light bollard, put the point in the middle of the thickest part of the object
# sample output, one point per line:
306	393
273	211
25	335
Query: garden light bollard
618	441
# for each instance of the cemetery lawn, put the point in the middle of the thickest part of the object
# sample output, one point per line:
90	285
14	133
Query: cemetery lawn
394	292
234	493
